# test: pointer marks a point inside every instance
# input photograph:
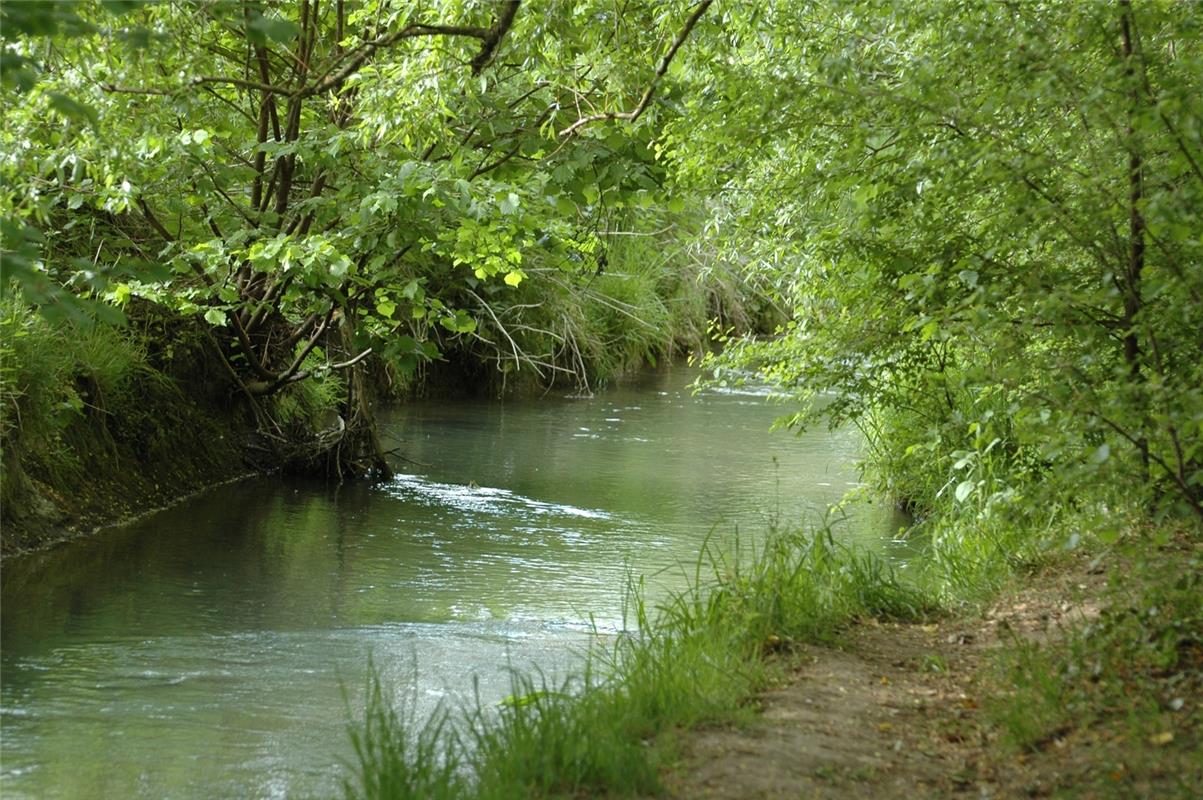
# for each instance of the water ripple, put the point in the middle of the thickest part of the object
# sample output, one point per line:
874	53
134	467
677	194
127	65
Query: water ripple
481	499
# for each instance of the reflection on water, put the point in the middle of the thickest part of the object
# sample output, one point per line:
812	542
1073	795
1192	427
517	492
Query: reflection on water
214	649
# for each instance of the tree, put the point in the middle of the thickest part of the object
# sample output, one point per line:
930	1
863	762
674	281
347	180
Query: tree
325	181
984	217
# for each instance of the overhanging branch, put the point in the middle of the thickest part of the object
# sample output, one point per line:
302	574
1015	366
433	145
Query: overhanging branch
645	101
348	63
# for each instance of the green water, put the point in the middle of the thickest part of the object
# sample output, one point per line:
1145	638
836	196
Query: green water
218	649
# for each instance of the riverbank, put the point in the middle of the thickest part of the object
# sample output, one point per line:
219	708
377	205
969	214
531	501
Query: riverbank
809	670
694	659
102	424
1082	679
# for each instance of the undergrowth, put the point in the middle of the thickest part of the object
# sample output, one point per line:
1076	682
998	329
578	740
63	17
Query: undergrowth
53	374
92	418
1118	692
624	298
696	658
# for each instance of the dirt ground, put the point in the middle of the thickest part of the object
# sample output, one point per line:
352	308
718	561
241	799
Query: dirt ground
896	713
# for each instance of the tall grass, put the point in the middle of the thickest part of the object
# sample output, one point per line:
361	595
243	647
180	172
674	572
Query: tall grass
51	374
54	380
629	294
697	657
401	756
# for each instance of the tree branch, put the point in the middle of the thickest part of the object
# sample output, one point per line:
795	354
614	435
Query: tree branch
265	388
505	20
356	58
645	101
201	81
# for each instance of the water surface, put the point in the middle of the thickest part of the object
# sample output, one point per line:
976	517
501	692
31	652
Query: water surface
216	649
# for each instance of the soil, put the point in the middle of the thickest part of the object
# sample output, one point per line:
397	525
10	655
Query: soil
896	713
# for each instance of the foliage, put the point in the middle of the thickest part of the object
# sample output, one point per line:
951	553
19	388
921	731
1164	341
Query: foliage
977	224
373	178
51	376
627	293
997	276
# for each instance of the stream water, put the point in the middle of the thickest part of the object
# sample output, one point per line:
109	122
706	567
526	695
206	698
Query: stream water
219	648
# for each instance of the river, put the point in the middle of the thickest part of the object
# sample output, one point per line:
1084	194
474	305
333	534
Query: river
219	648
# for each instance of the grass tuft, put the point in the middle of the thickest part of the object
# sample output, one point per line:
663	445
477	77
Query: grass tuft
399	755
698	657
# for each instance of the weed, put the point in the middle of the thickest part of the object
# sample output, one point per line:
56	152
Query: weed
400	756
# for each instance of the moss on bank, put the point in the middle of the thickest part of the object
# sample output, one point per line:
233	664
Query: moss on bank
100	424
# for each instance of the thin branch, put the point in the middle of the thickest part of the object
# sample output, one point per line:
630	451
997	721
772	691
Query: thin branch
300	376
356	58
237	208
500	327
505	20
154	221
665	229
646	100
201	81
485	168
295	366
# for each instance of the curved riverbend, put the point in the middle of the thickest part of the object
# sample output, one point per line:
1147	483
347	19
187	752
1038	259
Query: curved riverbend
214	649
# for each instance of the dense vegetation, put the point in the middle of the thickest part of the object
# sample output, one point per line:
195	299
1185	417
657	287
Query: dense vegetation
984	218
333	186
975	228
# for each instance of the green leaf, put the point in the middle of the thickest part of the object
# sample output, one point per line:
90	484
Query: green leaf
964	489
275	28
18	70
408	364
564	205
72	108
121	6
460	322
216	317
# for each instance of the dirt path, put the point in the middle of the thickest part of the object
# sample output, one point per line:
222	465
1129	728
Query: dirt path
893	714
